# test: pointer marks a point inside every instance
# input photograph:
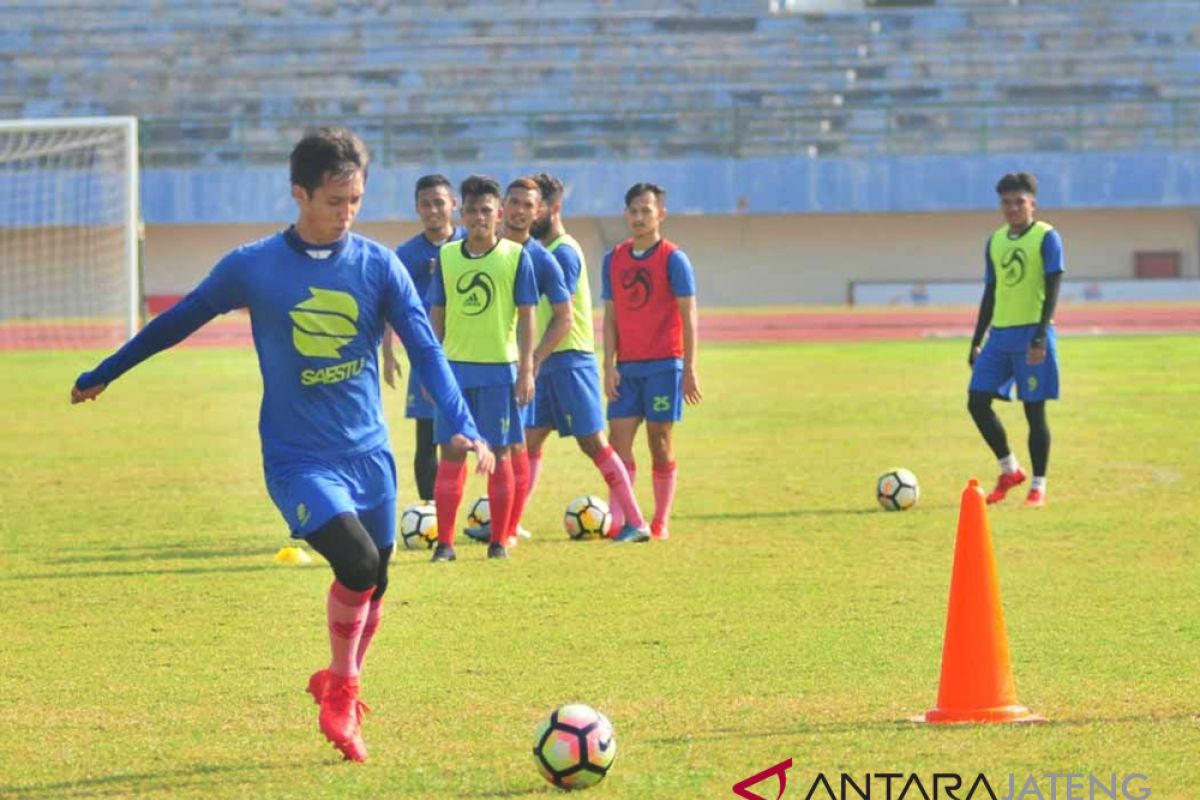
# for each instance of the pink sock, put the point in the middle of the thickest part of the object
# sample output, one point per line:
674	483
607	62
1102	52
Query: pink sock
346	611
614	504
447	497
500	499
520	468
620	490
535	471
374	612
664	495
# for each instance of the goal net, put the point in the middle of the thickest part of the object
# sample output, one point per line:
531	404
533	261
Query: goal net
68	232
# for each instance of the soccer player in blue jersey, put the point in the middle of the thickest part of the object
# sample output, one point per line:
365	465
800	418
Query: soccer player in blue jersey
522	207
319	297
567	398
1023	267
650	340
482	300
435	207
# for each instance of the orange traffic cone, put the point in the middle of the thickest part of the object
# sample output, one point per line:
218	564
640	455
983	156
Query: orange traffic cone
977	680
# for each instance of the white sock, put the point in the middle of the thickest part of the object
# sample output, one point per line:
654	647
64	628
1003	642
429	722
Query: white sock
1008	464
1039	483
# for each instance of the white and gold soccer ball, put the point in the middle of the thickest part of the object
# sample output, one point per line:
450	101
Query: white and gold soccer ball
587	517
418	526
897	489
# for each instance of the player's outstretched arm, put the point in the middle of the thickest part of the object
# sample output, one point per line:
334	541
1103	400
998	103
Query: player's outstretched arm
691	329
166	330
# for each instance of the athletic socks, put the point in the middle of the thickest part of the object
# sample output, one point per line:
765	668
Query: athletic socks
1009	465
346	612
535	472
664	495
614	505
501	491
621	499
374	613
1039	483
447	497
521	483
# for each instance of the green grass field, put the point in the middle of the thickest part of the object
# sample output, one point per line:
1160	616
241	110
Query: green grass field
152	649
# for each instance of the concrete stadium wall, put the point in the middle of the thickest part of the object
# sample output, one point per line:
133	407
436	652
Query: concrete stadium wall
779	259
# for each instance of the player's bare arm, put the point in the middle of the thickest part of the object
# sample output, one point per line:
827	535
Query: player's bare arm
526	328
612	378
556	331
83	395
484	457
391	367
691	326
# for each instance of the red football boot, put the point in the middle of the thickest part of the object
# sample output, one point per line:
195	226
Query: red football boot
1006	481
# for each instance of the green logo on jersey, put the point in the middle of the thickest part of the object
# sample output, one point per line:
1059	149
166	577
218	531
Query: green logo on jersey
1012	267
1032	383
324	323
477	290
302	514
662	403
505	424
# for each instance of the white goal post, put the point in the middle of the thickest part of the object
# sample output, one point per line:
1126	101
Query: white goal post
69	231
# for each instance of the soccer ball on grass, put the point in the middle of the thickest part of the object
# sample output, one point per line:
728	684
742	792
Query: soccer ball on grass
418	526
897	489
587	517
575	747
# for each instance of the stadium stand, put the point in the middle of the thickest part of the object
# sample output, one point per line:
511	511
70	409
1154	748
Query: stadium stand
232	81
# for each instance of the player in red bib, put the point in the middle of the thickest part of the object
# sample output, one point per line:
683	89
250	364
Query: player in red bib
650	325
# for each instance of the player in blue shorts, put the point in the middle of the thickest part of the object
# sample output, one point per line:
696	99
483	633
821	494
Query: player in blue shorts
522	207
481	300
1023	271
435	207
319	297
567	398
650	340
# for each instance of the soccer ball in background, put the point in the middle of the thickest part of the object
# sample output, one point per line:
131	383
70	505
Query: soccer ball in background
587	518
897	489
575	747
480	513
418	526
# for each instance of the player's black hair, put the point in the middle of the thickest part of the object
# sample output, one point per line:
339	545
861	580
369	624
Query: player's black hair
1018	182
432	182
639	189
479	186
325	153
550	187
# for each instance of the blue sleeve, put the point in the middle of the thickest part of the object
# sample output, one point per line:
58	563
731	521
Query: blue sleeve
550	279
571	265
605	279
679	272
525	291
1052	253
989	269
166	330
224	289
406	315
435	295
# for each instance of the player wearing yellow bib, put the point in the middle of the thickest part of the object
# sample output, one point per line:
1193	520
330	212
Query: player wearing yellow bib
1023	270
482	298
567	398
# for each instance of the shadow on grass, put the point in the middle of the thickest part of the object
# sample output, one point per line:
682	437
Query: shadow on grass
62	575
803	729
125	784
113	555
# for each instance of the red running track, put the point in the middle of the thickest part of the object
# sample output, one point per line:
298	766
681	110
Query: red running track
824	325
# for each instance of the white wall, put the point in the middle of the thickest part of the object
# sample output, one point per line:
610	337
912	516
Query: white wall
775	259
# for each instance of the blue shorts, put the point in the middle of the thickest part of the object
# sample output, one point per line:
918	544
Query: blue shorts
1001	365
658	396
310	493
496	414
567	400
416	406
